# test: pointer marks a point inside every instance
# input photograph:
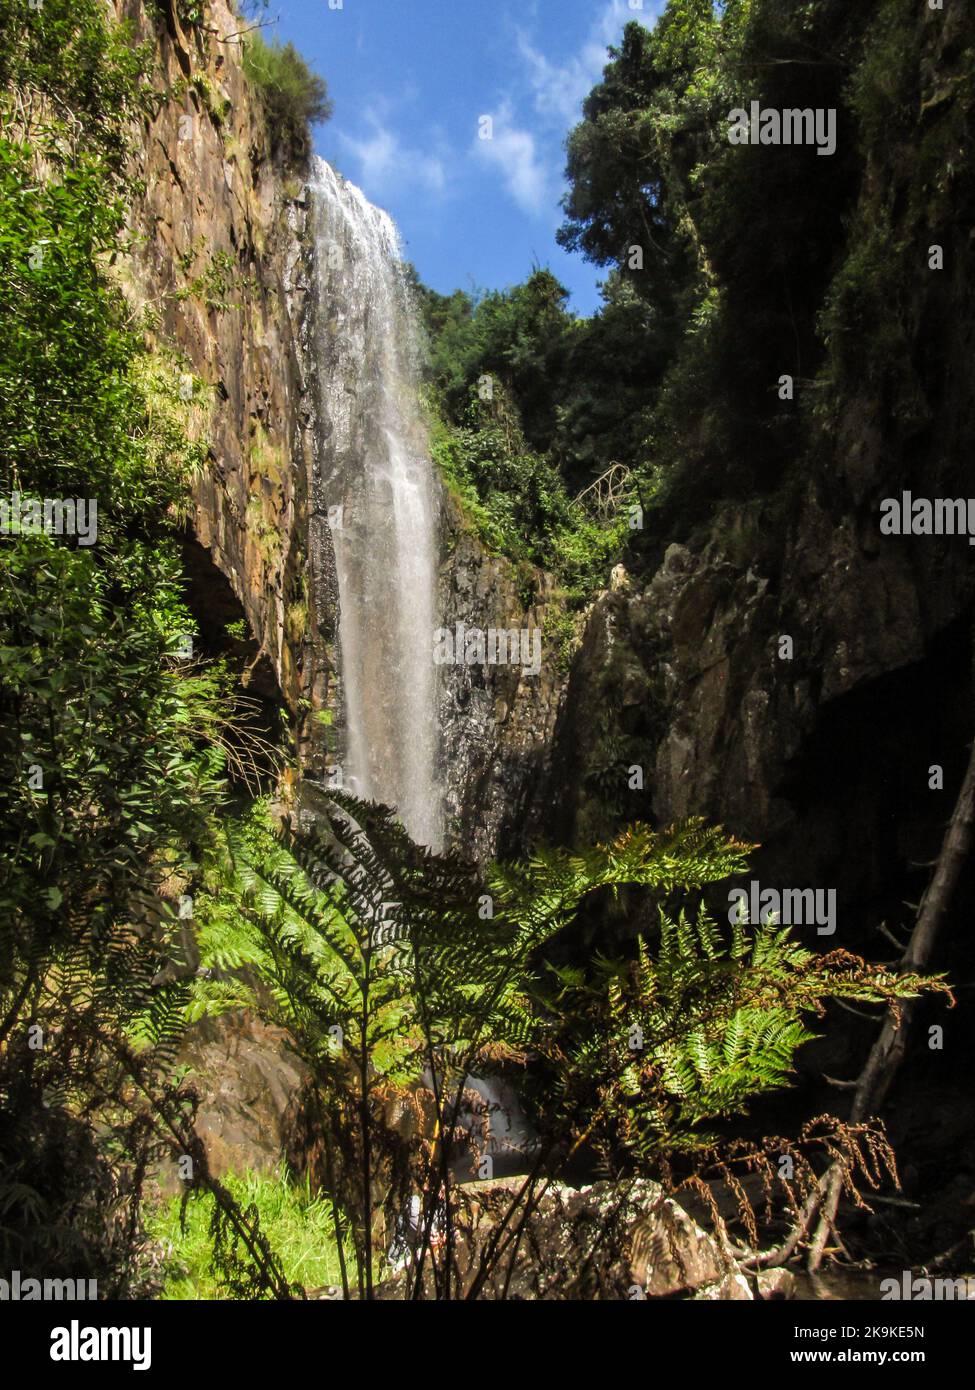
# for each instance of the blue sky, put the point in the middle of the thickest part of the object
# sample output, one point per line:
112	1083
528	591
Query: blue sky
411	80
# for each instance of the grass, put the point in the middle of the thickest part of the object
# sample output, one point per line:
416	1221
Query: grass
297	1223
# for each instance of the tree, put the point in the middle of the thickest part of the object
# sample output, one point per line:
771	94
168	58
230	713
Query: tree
626	206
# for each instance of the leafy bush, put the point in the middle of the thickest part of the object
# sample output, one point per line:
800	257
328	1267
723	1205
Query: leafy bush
85	67
517	501
112	749
294	97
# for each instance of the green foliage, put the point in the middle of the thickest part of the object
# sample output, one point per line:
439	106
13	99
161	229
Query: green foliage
733	244
397	987
535	405
575	389
692	1030
869	288
72	414
191	11
294	97
92	697
623	187
371	952
221	279
521	336
517	501
102	764
914	133
614	362
90	81
728	268
296	1222
560	631
112	747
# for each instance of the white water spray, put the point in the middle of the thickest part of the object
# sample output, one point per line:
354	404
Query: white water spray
376	479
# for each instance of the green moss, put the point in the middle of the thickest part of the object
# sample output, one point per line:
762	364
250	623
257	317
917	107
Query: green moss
267	535
296	622
266	459
560	635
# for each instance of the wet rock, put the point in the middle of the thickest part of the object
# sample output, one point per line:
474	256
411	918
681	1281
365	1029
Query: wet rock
733	1288
775	1284
607	1241
497	721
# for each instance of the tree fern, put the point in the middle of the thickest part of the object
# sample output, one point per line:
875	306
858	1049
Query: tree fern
399	989
694	1030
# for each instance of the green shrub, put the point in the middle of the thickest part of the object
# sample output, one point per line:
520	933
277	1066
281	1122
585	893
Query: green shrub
112	744
516	501
294	97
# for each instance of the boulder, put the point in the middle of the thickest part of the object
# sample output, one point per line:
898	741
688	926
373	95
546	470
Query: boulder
248	1080
607	1241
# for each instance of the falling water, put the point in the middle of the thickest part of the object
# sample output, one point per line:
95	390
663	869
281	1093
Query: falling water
375	478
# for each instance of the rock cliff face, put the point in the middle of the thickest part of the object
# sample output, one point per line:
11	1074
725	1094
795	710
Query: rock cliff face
822	751
218	258
822	757
217	255
498	721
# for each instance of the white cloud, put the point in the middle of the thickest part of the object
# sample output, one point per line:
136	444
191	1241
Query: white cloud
385	164
531	163
514	152
560	88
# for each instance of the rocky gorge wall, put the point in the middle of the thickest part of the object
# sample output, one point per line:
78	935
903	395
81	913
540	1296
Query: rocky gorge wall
217	238
217	260
678	675
822	756
224	252
498	722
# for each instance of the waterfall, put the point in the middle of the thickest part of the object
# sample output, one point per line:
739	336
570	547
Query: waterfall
375	478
